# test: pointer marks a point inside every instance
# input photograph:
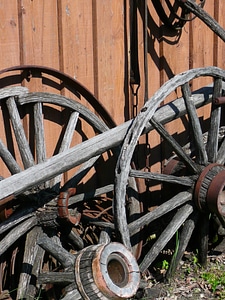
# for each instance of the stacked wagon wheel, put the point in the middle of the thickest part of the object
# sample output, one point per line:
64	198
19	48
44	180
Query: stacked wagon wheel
59	211
190	185
60	206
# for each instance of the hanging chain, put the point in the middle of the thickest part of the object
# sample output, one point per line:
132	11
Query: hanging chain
147	144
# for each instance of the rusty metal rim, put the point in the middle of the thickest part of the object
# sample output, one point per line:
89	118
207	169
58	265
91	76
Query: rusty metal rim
72	84
199	184
215	195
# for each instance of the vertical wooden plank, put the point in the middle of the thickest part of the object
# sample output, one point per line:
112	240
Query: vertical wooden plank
219	45
76	51
9	36
201	40
9	55
202	52
76	40
39	46
109	39
174	59
152	140
39	33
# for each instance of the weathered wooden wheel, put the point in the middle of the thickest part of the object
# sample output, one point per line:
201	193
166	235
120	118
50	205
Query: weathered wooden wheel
194	173
103	271
44	206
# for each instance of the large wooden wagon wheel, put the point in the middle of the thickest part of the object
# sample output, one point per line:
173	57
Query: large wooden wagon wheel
55	206
191	189
37	207
45	206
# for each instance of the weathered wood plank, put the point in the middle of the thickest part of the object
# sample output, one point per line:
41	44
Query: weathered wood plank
95	146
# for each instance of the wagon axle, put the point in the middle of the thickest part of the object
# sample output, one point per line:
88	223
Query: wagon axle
209	192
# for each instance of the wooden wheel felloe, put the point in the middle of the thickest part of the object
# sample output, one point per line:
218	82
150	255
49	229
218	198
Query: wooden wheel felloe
196	175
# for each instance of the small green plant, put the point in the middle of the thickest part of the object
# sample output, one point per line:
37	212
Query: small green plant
195	259
215	279
165	264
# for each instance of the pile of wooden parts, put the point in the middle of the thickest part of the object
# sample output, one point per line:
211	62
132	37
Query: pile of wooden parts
82	221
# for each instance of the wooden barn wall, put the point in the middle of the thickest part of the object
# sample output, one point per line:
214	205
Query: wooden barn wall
90	41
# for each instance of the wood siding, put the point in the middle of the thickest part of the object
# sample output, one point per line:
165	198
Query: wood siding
90	41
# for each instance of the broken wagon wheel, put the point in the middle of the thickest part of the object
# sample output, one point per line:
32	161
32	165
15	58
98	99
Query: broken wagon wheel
103	271
37	206
196	179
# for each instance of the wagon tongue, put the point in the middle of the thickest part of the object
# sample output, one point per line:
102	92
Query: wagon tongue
209	192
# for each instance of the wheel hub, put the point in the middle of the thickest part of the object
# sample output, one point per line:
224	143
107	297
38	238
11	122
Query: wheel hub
209	191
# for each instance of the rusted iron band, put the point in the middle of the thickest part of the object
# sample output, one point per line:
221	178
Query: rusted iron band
63	210
5	213
219	101
209	191
216	194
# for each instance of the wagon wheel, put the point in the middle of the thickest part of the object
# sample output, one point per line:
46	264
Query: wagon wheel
194	173
46	205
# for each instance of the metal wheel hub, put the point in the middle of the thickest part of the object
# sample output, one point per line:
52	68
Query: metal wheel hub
209	191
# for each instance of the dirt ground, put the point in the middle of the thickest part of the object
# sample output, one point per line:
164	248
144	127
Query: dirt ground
190	281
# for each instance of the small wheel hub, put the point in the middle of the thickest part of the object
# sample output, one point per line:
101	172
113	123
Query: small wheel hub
209	191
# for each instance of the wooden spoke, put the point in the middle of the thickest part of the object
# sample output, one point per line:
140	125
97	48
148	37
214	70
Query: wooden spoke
183	240
9	159
203	238
16	233
164	208
39	133
221	154
65	258
201	156
23	145
67	138
15	219
186	181
83	170
213	134
28	261
179	218
177	148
